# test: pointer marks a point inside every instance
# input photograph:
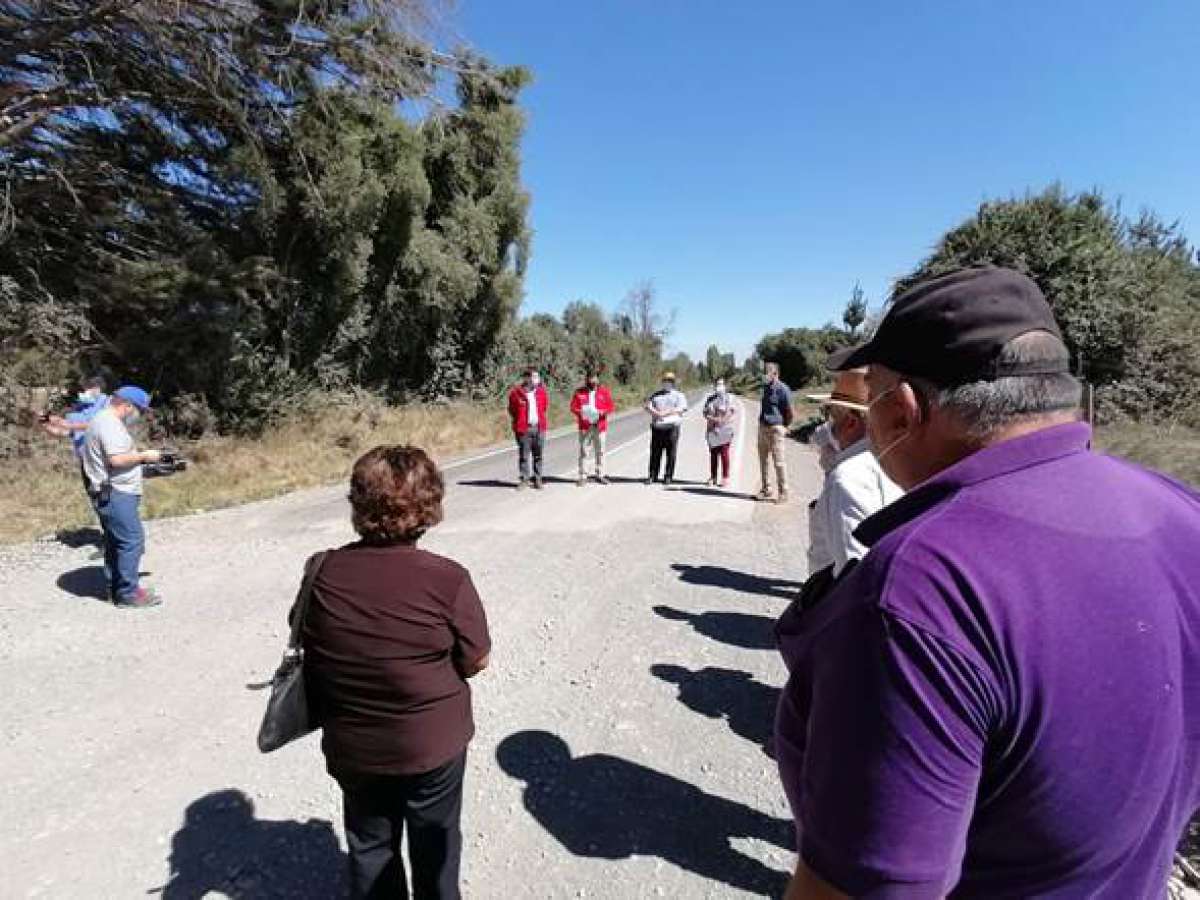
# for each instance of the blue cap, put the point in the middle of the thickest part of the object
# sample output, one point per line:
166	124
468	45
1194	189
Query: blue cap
135	395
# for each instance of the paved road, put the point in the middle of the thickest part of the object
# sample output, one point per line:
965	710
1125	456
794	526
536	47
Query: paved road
621	728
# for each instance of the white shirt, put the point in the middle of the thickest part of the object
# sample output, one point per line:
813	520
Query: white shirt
855	488
531	400
107	436
670	401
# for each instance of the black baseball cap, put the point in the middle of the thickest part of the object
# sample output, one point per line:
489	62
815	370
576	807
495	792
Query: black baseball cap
950	330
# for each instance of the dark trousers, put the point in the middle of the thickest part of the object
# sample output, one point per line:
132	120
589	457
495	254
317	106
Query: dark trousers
663	440
376	809
529	446
721	455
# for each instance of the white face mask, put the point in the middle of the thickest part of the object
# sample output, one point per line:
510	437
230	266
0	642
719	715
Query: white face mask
721	388
668	386
535	379
880	454
85	397
823	436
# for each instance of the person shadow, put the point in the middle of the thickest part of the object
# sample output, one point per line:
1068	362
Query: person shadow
605	807
719	576
736	629
222	848
87	582
746	705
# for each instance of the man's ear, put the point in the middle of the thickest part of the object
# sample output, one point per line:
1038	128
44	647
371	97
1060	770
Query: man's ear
913	405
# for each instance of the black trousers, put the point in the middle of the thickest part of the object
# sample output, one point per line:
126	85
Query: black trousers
663	440
378	807
530	446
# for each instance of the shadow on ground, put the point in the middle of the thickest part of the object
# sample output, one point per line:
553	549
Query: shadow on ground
746	705
510	485
605	807
86	582
717	492
222	848
719	576
80	537
736	629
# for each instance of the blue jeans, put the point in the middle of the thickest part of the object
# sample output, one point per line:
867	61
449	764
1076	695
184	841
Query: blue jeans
124	542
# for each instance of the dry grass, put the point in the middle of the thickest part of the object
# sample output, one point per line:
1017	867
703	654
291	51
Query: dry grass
43	495
1171	449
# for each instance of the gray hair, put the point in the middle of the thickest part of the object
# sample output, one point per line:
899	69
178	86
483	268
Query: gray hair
987	407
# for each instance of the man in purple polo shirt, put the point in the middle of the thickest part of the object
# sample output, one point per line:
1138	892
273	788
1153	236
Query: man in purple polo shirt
1003	698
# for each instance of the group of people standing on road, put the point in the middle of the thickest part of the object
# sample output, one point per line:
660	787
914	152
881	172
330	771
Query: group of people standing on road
592	406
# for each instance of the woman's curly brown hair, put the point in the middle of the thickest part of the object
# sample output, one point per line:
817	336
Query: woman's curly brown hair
396	493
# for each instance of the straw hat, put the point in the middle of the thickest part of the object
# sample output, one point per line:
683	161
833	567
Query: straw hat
849	390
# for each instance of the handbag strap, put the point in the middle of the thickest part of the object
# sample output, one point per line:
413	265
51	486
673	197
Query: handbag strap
300	607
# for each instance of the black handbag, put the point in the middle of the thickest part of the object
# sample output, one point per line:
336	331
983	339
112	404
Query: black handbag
288	716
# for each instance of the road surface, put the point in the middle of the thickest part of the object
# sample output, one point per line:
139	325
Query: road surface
621	728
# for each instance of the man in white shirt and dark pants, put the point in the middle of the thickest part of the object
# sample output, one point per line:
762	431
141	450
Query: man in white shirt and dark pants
666	407
855	485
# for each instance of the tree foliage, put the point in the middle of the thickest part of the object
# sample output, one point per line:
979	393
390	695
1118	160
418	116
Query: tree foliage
246	199
625	348
855	312
801	352
1126	292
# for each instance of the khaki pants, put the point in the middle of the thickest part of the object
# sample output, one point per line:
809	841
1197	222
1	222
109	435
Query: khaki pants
771	446
596	439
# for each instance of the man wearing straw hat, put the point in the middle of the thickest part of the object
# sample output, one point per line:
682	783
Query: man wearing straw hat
855	486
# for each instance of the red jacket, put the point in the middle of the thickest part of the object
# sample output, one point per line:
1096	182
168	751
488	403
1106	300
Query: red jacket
604	403
518	408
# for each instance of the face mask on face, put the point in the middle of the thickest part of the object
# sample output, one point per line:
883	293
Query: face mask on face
881	453
823	437
133	418
85	397
721	388
535	380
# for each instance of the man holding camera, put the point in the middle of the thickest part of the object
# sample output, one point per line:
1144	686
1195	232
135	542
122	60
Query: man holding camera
113	466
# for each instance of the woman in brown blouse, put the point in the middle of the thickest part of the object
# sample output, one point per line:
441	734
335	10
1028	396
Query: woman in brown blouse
391	637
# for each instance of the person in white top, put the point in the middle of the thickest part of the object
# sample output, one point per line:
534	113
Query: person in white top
855	485
666	407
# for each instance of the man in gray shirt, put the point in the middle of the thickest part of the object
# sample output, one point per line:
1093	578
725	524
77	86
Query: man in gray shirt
113	467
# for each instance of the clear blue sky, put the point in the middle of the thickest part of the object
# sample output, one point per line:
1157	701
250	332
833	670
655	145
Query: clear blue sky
756	158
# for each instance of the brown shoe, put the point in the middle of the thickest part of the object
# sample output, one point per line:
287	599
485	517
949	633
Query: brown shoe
783	497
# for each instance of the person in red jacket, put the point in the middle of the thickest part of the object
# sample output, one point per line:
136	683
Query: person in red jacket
528	406
591	405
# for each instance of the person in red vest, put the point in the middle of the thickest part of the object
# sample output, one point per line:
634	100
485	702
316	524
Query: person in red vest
591	405
528	406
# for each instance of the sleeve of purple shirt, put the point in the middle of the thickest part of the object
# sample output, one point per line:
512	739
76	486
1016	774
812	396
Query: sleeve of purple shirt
896	735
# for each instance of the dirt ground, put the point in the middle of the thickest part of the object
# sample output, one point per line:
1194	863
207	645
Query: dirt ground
622	728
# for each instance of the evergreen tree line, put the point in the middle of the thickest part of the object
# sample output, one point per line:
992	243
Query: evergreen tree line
625	347
238	203
1125	291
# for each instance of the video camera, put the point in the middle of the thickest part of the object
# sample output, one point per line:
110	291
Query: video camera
169	463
